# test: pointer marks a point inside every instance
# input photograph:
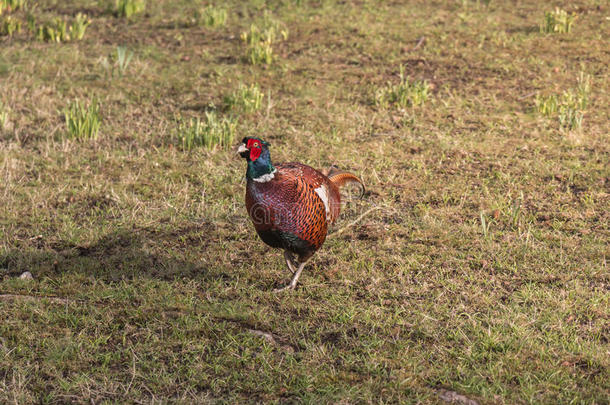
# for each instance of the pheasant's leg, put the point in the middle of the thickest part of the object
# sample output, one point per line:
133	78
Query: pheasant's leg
293	282
289	261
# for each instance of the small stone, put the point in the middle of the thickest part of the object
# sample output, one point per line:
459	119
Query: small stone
288	348
453	397
26	275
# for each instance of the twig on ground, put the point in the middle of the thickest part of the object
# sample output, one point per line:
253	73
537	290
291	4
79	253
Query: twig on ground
528	95
420	41
339	231
133	371
400	185
269	337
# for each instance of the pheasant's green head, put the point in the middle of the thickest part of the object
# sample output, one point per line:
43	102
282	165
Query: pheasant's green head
256	152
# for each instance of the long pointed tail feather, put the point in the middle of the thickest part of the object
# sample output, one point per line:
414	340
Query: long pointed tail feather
341	178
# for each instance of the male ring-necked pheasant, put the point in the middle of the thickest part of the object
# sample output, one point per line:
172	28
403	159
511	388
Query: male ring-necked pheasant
291	204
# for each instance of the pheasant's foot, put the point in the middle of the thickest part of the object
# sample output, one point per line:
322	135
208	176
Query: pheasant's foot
279	290
290	262
293	282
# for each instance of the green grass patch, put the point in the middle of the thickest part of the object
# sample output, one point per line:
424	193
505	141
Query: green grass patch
83	122
405	93
259	40
211	16
246	99
129	8
10	25
569	107
557	21
7	6
212	132
59	30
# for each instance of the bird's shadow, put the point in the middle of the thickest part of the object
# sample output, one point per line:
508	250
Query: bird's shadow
121	254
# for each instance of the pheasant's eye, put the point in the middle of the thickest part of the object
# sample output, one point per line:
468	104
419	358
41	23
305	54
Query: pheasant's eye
255	144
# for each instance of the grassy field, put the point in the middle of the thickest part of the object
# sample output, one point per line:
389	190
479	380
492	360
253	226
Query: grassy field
480	129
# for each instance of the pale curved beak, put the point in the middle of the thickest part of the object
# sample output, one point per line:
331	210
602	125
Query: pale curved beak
242	148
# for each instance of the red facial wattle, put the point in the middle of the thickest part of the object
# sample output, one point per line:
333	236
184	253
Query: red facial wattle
255	149
255	153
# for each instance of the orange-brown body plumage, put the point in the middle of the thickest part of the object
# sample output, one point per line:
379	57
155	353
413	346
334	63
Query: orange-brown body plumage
291	205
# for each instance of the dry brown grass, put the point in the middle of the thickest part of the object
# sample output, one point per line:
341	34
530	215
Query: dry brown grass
165	278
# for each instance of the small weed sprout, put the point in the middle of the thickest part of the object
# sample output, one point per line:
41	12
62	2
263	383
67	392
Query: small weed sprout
129	8
77	30
122	59
476	4
570	117
546	105
558	21
107	66
403	94
485	225
209	133
83	122
11	5
31	22
515	212
246	99
3	116
9	26
260	53
569	108
259	41
259	50
211	16
53	32
583	90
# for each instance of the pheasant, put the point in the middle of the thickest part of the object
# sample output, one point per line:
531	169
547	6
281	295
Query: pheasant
291	204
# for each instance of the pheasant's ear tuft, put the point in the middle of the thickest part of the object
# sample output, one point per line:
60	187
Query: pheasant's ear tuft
266	143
